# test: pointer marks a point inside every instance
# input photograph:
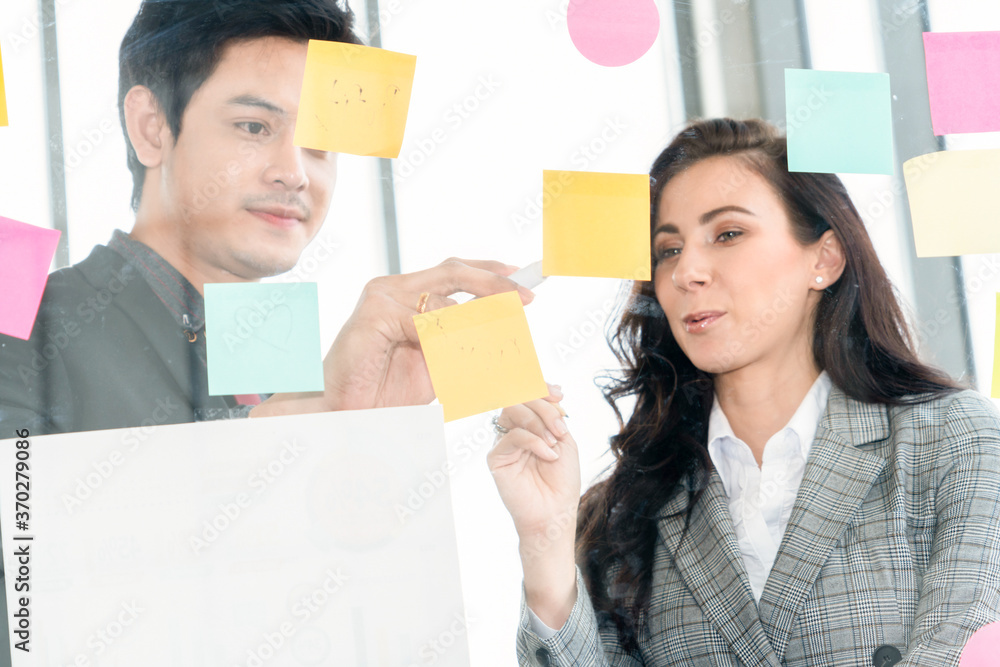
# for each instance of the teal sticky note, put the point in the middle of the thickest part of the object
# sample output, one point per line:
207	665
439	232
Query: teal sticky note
838	122
262	338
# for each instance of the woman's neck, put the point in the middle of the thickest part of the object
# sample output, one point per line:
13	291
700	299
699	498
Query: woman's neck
758	402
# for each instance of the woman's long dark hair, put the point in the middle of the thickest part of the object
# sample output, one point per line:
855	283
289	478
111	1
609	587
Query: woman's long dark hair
860	338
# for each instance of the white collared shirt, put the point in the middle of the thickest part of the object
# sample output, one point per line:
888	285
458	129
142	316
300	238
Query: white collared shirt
761	498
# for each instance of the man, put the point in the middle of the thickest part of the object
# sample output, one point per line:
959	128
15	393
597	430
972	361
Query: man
208	96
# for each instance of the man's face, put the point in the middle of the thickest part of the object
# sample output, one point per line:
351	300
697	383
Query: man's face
243	198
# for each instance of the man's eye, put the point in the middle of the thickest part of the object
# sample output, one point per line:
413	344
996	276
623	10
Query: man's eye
253	128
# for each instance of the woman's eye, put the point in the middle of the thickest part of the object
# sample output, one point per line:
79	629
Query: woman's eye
668	253
729	236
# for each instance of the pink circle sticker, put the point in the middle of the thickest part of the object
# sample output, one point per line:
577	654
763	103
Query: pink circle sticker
982	648
613	32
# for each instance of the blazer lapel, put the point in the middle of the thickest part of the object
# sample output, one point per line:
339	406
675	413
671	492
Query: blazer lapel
709	560
837	478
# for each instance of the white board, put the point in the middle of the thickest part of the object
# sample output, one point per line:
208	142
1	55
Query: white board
312	540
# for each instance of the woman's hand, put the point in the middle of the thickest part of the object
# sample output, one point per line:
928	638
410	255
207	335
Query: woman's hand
536	467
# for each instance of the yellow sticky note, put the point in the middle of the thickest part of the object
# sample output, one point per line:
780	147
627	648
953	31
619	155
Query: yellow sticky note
595	225
951	202
480	355
3	97
354	99
995	389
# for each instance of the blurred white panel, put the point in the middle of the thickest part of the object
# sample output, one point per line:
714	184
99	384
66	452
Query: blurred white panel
844	37
348	251
501	94
98	183
981	272
24	185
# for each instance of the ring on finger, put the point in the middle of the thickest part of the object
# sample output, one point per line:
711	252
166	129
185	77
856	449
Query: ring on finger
501	430
422	302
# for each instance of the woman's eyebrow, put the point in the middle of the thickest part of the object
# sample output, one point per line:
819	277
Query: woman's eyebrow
670	228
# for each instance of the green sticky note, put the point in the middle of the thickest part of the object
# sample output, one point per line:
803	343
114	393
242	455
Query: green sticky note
838	122
262	338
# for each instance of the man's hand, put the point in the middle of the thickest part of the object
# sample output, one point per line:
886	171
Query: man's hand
376	359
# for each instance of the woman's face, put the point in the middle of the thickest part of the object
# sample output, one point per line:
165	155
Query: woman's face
737	288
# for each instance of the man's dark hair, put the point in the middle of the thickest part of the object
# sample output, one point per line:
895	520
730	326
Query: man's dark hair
173	46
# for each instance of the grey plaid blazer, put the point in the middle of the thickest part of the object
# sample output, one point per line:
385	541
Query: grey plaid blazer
894	540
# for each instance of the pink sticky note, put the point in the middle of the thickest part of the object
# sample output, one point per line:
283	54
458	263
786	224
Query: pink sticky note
613	32
963	81
982	648
25	255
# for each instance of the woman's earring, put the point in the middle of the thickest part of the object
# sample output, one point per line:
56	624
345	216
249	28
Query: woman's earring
819	280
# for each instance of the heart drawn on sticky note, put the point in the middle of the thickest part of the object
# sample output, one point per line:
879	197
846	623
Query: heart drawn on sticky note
273	328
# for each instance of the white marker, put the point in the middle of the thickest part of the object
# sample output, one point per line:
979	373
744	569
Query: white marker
530	276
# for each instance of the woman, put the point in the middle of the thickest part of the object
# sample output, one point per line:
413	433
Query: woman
793	485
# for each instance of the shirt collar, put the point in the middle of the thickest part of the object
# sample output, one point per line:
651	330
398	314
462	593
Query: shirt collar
185	303
803	423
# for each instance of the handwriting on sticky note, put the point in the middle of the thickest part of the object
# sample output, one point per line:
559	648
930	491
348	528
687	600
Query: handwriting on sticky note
838	122
480	355
355	99
262	338
951	202
26	252
595	224
963	81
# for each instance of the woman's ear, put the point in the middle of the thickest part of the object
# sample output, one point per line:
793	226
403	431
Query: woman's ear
146	125
830	260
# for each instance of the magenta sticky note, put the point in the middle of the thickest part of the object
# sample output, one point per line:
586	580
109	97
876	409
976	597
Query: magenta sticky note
25	255
963	81
982	648
613	32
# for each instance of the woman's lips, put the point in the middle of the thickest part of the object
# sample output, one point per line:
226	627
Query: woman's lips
698	322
